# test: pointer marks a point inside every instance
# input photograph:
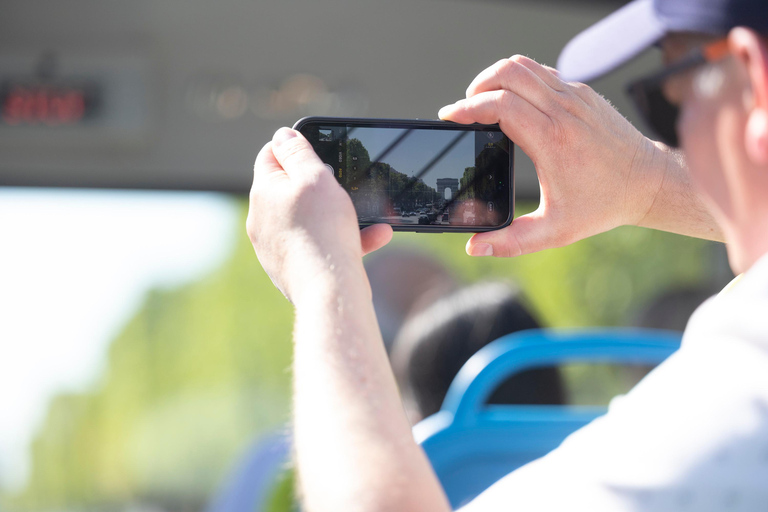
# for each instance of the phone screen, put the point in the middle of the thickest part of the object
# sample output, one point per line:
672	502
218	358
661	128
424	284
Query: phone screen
427	176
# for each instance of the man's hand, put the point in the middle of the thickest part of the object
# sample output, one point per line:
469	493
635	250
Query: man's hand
595	169
301	222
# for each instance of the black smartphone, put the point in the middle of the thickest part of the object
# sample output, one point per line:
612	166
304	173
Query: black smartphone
419	175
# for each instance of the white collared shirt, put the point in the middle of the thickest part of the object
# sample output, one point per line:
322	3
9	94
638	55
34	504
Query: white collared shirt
691	436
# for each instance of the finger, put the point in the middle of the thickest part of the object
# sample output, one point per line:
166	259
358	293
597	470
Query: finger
375	237
266	164
509	74
527	234
296	155
551	77
519	120
548	75
267	174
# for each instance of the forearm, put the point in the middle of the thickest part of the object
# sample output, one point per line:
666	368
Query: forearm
354	446
672	201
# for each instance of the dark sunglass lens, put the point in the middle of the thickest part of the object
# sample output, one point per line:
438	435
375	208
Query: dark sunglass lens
660	115
663	117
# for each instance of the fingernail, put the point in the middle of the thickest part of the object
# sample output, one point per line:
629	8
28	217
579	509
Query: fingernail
481	250
282	135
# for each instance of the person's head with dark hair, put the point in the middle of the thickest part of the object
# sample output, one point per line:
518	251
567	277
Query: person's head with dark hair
404	281
434	344
672	309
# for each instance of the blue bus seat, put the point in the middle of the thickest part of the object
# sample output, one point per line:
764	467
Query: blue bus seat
249	485
472	444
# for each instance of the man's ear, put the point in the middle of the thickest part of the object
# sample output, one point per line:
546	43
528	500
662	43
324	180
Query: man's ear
752	51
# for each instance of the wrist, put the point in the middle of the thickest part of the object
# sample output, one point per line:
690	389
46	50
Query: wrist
652	165
325	275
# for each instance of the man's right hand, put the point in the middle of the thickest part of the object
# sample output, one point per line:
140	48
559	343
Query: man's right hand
596	171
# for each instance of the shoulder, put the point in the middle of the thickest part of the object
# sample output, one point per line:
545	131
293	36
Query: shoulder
738	315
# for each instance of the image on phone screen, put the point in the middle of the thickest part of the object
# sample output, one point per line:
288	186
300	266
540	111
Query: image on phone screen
447	176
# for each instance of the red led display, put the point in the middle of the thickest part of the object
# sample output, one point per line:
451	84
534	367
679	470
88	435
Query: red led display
44	105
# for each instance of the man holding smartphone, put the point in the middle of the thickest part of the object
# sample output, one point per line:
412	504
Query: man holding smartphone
687	437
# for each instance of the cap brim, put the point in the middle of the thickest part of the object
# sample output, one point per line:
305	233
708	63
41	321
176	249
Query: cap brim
610	42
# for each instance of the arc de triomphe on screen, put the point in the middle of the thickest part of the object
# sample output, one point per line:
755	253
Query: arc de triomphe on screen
444	183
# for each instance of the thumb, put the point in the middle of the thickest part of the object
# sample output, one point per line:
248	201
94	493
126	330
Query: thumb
529	233
375	237
295	154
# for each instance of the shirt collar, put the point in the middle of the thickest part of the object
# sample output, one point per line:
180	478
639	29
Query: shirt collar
752	282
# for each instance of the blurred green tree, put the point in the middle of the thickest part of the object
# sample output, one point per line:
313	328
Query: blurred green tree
191	380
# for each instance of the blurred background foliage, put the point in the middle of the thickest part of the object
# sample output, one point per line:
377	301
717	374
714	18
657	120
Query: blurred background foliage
200	371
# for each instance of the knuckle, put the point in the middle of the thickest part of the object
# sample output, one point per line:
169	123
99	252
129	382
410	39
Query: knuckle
505	100
294	150
579	86
557	83
515	248
582	91
571	103
500	64
506	68
520	59
512	248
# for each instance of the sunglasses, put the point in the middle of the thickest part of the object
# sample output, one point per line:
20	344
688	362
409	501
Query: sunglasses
647	93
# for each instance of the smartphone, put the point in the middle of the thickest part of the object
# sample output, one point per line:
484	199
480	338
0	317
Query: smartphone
419	175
